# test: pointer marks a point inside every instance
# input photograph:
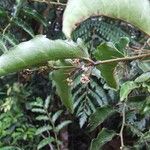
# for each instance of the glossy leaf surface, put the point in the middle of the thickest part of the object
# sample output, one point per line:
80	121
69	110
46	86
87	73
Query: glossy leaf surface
37	51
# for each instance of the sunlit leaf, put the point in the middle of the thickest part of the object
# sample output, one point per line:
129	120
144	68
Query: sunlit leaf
42	117
38	51
47	101
145	77
144	66
38	110
126	88
135	12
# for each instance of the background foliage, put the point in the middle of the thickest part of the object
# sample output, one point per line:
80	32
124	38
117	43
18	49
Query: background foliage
32	116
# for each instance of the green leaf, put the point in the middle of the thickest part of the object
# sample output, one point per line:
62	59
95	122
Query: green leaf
47	101
144	66
44	142
146	106
43	129
38	51
135	12
126	88
35	15
10	148
38	110
2	46
103	137
23	25
11	39
62	125
121	45
3	13
146	136
18	7
63	89
42	117
56	115
145	77
99	116
107	51
146	85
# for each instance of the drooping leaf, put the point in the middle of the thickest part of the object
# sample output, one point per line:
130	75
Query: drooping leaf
43	129
63	89
62	125
38	51
135	12
145	77
35	15
44	142
23	25
99	116
56	115
126	88
103	137
108	51
11	39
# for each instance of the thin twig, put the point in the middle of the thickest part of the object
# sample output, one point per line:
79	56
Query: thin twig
122	127
122	59
63	67
53	126
4	31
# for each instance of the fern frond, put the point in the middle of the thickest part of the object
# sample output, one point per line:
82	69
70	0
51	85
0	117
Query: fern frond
87	97
43	129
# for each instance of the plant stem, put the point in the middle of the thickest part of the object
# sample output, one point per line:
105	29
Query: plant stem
122	127
53	126
122	59
63	67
